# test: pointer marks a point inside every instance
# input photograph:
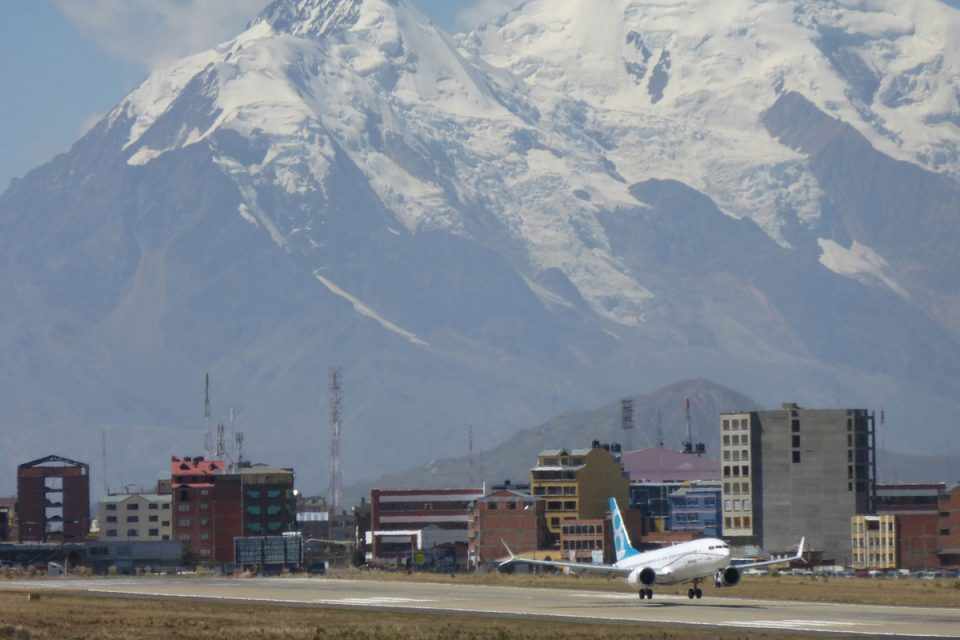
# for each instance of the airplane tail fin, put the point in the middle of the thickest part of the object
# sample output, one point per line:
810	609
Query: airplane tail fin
621	538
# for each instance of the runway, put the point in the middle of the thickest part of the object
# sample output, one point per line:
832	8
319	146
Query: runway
534	603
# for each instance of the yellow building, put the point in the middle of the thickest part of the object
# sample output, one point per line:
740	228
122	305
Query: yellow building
576	484
874	542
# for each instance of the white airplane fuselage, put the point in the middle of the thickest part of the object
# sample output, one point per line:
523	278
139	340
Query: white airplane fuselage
680	563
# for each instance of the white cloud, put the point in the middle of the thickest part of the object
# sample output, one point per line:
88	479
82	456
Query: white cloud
484	10
152	32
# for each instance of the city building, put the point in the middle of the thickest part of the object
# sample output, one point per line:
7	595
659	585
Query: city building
192	483
505	516
212	505
53	500
915	506
135	517
576	484
652	501
797	472
403	521
8	519
127	557
949	529
695	507
873	542
659	465
587	541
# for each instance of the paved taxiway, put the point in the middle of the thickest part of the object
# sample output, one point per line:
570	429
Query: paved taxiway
535	603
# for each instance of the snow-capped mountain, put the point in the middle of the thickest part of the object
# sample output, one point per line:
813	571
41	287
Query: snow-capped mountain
579	199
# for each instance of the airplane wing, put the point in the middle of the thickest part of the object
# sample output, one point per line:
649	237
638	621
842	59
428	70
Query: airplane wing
767	563
559	564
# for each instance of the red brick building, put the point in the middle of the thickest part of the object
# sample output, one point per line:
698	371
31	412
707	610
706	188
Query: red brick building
53	500
442	513
505	515
916	508
193	482
949	529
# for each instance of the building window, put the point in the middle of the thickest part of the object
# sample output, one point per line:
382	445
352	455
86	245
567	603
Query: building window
795	426
737	523
736	471
736	505
204	522
726	505
745	455
152	506
796	442
111	518
746	471
204	492
726	440
204	536
154	518
166	507
492	506
154	532
554	522
570	506
133	518
746	522
511	506
183	508
111	533
132	533
944	532
796	457
726	455
183	522
736	456
728	523
204	506
726	487
850	472
133	506
726	425
744	439
111	507
165	523
735	440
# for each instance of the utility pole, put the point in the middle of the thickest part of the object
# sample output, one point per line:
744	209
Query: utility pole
103	461
336	416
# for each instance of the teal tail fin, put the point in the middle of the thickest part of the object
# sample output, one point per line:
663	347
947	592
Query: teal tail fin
621	538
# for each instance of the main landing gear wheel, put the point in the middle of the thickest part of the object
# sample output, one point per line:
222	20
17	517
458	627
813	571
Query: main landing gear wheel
646	593
698	593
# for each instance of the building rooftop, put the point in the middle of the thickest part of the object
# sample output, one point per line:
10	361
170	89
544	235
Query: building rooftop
149	497
506	494
195	466
665	465
264	470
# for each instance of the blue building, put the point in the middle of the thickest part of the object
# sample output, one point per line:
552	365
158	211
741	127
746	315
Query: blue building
696	507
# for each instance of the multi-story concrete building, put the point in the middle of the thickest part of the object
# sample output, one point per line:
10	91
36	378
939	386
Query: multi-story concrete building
915	507
53	500
505	515
135	517
696	507
949	529
576	484
873	542
793	472
212	505
402	520
586	541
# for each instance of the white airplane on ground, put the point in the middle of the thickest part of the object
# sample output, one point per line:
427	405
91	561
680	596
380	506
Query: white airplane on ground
691	562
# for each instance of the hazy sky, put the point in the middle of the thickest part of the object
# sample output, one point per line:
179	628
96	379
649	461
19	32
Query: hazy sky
64	63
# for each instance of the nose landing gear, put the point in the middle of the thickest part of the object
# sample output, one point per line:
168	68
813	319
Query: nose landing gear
646	593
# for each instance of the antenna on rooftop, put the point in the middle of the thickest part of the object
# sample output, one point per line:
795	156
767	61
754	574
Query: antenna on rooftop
208	436
688	443
239	438
103	461
660	428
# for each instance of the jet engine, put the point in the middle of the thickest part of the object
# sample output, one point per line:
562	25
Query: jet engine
642	577
728	577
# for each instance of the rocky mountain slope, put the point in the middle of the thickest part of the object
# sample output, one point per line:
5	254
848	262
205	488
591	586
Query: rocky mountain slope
561	207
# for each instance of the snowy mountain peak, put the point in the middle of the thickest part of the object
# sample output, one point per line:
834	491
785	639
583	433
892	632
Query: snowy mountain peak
311	18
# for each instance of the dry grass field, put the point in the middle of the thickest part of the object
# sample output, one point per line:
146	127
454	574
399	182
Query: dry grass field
901	592
82	617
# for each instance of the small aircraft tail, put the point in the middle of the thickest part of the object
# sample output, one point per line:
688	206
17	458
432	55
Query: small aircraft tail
621	538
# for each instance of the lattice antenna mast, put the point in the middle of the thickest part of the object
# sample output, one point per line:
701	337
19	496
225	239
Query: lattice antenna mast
221	442
626	422
103	455
239	438
688	445
207	437
336	432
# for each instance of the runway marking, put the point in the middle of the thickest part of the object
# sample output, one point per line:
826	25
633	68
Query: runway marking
385	600
804	625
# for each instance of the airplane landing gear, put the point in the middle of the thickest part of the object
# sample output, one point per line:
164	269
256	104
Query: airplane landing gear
694	591
646	593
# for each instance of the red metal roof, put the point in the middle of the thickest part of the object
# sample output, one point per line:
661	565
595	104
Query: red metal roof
664	465
194	466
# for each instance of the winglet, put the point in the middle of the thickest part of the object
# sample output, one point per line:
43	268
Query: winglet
504	543
800	549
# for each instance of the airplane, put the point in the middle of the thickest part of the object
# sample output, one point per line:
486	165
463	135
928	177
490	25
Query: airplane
687	562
